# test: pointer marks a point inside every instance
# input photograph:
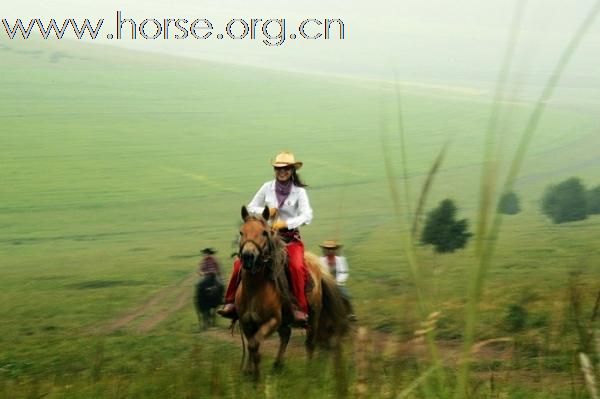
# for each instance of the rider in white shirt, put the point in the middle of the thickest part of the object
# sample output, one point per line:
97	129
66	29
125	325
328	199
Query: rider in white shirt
290	208
338	268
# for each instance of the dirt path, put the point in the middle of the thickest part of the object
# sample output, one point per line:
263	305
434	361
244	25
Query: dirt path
183	298
154	310
146	317
270	345
364	343
158	308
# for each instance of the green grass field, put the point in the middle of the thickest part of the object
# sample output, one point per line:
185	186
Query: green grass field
118	167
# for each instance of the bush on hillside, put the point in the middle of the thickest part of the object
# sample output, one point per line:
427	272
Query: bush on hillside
593	201
443	231
566	201
509	204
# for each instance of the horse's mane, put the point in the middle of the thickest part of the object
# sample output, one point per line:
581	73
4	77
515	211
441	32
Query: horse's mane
277	264
276	261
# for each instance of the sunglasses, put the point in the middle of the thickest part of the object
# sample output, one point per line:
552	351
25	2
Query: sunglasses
283	168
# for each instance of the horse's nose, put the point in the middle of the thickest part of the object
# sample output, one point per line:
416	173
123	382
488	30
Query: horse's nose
248	259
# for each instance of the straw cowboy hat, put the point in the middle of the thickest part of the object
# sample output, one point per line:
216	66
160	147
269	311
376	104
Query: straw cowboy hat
209	251
286	158
330	244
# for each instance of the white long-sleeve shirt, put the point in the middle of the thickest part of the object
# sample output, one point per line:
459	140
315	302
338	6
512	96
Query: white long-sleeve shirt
339	270
296	210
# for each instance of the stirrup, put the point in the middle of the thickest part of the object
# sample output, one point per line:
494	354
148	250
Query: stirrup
300	318
228	311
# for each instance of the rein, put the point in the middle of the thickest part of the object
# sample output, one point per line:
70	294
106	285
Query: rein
271	258
264	252
261	250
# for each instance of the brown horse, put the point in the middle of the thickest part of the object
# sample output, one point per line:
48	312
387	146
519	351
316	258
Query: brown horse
263	300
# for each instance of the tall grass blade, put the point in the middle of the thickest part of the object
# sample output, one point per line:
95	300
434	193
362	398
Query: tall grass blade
415	384
389	170
588	372
400	114
488	247
490	160
530	129
424	308
425	191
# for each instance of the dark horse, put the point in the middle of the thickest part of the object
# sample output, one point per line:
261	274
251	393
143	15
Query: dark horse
263	301
209	295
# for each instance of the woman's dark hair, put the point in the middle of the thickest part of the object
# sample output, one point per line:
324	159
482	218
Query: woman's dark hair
296	179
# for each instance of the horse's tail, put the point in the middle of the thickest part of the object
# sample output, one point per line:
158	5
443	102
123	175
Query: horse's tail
332	322
334	307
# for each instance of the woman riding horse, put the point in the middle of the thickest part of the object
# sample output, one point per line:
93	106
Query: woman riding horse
263	302
289	209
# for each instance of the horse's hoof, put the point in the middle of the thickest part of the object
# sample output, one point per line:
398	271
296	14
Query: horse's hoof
277	367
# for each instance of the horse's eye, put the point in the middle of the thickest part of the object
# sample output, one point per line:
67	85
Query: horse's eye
265	233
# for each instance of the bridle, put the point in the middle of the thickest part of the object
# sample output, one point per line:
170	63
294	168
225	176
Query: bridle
263	251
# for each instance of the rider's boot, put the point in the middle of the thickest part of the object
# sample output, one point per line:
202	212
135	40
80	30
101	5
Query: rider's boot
228	310
300	318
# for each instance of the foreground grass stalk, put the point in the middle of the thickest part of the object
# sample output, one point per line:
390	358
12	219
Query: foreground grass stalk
424	308
425	192
406	392
490	161
588	373
489	244
412	260
400	113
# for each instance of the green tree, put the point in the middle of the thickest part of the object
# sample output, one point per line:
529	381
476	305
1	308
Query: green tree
443	231
593	201
566	201
509	204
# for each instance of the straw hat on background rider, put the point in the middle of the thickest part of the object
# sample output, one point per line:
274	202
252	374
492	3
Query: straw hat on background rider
338	267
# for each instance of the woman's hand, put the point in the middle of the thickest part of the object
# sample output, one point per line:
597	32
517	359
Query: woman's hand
273	212
278	225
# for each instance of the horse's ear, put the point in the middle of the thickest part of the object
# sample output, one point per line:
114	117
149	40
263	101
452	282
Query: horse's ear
244	212
266	213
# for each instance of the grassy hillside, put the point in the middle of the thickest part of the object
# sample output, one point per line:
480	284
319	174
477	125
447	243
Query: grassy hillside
117	167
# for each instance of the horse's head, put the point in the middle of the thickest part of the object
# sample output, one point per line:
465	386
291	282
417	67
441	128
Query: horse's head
254	239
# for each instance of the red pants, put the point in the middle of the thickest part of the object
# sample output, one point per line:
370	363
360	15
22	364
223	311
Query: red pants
295	252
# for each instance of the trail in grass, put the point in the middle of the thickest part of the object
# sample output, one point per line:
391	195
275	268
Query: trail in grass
145	317
156	309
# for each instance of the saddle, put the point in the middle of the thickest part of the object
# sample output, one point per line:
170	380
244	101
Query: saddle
285	279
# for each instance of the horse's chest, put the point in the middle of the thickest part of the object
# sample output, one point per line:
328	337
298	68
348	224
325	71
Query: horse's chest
258	308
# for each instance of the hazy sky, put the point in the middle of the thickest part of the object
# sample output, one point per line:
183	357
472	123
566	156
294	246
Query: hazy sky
457	42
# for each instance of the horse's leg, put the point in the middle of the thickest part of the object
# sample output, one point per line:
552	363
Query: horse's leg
264	331
311	334
284	338
248	330
213	317
206	318
198	310
199	316
249	366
